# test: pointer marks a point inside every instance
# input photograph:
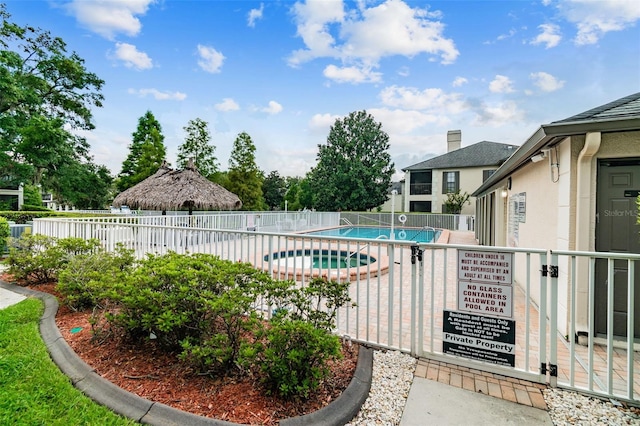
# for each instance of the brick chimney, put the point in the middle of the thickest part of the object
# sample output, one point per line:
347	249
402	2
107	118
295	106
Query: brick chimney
454	140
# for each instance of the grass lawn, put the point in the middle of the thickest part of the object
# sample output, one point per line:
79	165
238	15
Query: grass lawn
34	391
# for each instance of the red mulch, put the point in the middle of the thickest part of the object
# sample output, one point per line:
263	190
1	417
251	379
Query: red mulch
146	371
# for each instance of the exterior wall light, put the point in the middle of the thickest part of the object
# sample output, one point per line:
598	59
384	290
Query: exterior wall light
539	157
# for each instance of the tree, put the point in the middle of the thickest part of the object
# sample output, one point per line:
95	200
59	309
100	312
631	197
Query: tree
455	201
45	93
196	146
292	196
273	188
83	185
47	146
305	195
146	153
244	178
354	168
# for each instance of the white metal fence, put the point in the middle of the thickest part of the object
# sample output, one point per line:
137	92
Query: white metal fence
405	292
454	222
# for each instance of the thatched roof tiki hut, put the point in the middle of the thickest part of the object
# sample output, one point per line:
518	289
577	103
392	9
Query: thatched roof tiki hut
169	189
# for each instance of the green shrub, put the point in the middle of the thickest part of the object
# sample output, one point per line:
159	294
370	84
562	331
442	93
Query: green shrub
295	358
86	277
35	258
317	303
197	302
34	208
299	342
5	232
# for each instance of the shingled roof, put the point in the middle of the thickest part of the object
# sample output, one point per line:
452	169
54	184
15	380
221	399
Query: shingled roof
626	107
480	154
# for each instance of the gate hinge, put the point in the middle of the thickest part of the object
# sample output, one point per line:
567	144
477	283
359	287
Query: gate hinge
552	370
552	270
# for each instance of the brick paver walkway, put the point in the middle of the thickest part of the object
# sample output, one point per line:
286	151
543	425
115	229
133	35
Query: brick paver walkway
508	388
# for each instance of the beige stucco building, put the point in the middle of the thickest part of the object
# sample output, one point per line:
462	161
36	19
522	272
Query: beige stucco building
427	183
573	185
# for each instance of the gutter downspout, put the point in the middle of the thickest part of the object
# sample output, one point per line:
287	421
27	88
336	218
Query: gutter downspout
584	231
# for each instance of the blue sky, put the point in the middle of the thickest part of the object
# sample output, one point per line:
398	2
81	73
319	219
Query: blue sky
284	71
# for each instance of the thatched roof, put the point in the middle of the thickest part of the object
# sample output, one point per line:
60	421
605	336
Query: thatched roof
169	189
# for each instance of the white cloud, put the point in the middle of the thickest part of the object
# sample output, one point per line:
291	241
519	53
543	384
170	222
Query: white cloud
323	122
459	81
108	17
496	115
273	108
361	37
549	36
351	74
227	104
510	34
210	59
254	15
313	20
394	28
501	84
411	98
595	18
132	57
398	121
546	82
158	95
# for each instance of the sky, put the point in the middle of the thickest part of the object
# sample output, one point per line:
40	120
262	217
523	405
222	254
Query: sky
284	71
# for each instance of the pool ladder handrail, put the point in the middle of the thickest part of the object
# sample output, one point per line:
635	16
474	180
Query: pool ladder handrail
426	228
350	255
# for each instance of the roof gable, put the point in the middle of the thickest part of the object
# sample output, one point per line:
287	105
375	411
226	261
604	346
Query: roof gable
480	154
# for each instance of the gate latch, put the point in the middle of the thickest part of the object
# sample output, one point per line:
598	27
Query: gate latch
552	369
551	270
416	252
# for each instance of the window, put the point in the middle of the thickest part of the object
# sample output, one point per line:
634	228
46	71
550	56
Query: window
450	182
420	183
486	174
420	206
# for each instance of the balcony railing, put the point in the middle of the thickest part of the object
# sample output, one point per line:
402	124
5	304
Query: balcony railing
420	189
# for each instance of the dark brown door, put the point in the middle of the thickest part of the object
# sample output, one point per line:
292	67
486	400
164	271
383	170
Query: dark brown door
617	231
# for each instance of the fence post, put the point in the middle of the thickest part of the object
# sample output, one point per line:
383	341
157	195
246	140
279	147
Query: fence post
414	297
553	326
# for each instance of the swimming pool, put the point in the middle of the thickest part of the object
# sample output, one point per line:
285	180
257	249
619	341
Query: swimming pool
323	259
419	235
339	265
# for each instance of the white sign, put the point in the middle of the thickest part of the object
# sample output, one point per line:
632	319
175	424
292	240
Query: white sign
486	299
485	266
485	281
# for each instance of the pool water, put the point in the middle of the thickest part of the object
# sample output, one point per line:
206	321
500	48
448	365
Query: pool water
323	259
419	235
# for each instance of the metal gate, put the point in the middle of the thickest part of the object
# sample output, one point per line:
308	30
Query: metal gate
550	306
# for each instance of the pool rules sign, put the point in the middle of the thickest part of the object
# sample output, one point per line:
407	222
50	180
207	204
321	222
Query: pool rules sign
485	282
483	327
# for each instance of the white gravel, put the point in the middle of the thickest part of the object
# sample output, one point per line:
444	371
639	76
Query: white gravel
392	377
393	374
572	408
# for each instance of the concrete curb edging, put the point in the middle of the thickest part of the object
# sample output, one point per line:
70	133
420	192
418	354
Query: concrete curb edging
127	404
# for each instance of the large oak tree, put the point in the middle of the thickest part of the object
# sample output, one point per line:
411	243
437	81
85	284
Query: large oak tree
46	94
354	167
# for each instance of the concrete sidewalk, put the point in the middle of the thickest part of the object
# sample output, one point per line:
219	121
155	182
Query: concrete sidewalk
433	403
447	394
